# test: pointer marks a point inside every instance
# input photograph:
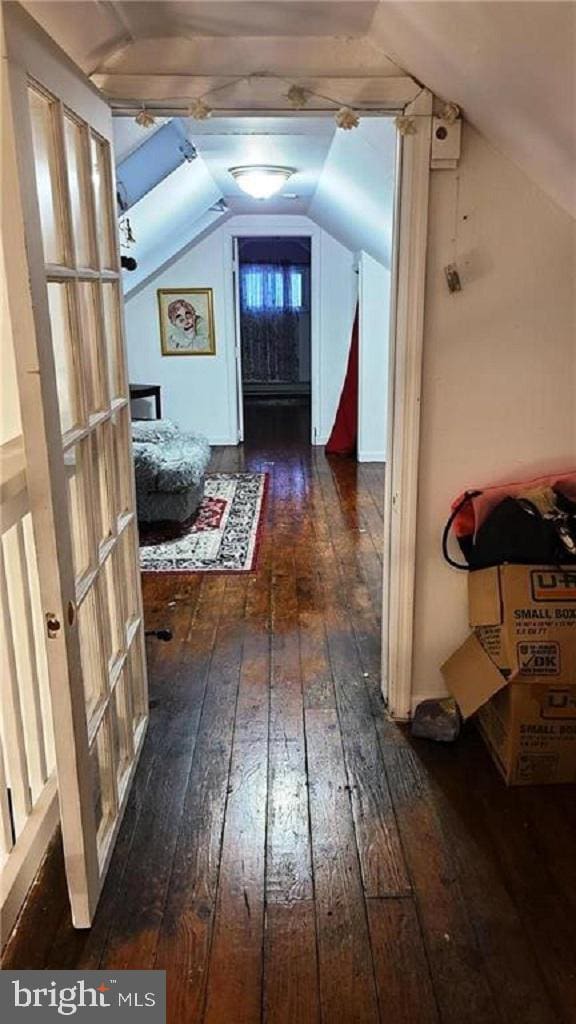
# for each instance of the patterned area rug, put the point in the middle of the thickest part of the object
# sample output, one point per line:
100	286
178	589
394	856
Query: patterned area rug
224	535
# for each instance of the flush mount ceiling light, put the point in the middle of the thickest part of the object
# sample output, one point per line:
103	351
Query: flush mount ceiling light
261	180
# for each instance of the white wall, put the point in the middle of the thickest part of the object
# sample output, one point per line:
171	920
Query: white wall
338	298
196	391
199	392
374	348
499	383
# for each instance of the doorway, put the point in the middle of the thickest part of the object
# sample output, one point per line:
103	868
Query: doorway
275	332
101	438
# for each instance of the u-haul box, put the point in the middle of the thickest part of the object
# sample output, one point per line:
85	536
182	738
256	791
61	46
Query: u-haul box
517	670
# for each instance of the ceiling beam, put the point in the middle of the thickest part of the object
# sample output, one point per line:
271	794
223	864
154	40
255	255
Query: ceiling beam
258	93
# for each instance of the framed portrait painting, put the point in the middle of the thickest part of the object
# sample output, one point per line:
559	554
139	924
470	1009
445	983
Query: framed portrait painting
186	321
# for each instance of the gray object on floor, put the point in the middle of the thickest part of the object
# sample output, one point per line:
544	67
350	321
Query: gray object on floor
437	720
170	466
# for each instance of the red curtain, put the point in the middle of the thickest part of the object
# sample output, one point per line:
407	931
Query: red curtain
344	436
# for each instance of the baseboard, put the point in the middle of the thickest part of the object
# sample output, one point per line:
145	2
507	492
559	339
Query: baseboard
221	442
371	456
276	390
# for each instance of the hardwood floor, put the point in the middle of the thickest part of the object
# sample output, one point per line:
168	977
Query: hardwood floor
289	855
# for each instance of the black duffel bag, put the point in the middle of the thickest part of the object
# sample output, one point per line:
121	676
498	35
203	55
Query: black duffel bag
516	531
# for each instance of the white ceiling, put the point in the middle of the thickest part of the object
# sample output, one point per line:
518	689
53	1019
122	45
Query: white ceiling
122	36
238	17
354	199
342	180
170	51
166	220
511	66
300	143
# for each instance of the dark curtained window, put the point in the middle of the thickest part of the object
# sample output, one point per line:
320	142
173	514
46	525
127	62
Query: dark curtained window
274	300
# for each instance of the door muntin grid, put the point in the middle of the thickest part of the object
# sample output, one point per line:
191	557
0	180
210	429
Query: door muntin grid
74	182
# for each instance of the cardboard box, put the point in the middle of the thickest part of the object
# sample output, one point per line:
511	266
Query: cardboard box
517	670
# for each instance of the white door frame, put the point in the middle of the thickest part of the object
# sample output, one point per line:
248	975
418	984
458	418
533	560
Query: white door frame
237	340
405	385
405	376
404	392
291	227
400	95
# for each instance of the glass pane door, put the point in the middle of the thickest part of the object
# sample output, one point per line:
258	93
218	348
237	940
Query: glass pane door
76	428
74	190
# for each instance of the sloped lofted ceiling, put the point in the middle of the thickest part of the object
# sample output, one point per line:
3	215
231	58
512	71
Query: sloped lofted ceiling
344	181
170	217
510	66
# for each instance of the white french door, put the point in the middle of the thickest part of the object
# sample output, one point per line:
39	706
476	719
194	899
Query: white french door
66	307
238	337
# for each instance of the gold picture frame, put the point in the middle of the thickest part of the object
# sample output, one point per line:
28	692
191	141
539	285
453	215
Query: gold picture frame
186	321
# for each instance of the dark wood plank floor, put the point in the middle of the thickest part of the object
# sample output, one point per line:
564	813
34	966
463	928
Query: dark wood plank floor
288	854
